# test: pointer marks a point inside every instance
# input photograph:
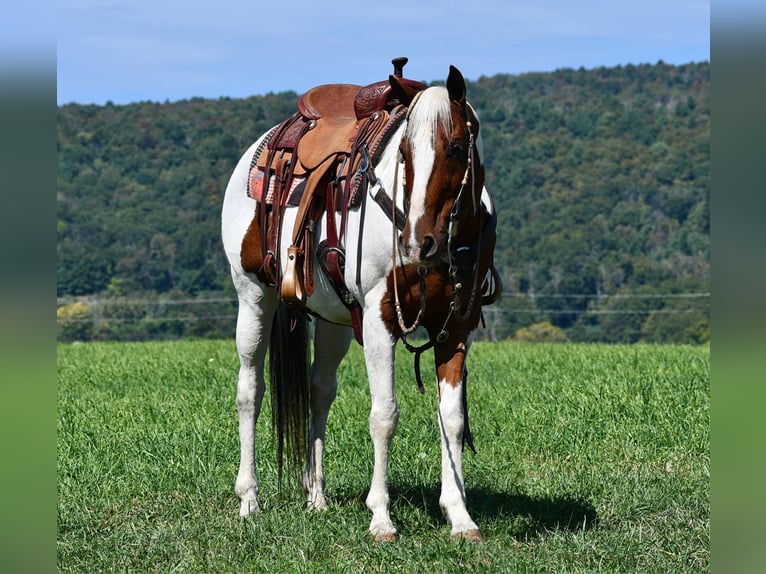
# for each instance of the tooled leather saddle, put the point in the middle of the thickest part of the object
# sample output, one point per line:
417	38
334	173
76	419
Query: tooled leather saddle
312	160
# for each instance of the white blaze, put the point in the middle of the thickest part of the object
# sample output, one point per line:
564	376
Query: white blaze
423	155
429	113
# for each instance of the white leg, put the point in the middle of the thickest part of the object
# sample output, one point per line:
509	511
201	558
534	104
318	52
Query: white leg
331	343
253	328
384	417
450	359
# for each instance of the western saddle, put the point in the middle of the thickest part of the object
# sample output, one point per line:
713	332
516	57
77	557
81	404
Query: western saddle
318	160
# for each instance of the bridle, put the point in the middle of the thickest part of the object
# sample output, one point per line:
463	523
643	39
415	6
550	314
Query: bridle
453	253
457	286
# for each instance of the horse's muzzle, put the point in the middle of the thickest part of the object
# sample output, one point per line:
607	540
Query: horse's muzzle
423	254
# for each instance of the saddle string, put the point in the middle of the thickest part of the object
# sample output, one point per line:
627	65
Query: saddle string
358	149
283	176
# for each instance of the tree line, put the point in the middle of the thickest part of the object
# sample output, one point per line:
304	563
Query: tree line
601	179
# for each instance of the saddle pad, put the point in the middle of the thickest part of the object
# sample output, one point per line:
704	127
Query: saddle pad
256	178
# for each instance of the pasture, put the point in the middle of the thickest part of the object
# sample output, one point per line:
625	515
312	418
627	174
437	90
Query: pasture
590	458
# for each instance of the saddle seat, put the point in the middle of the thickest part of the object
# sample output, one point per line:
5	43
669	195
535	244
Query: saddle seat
330	101
343	102
337	111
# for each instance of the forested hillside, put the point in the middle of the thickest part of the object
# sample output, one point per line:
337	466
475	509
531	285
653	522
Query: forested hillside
601	179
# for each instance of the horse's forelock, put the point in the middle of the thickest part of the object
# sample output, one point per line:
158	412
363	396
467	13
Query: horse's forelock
431	112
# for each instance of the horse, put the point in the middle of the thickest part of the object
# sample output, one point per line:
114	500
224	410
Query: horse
434	272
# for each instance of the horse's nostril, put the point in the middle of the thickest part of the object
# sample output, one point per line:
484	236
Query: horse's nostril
428	249
402	245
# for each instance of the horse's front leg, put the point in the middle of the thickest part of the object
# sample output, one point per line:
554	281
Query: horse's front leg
331	343
450	362
384	417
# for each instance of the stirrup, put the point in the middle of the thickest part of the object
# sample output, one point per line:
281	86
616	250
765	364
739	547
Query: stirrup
291	290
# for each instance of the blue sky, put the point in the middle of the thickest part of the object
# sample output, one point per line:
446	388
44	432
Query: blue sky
133	50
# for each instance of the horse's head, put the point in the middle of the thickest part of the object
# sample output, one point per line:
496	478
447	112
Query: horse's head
443	172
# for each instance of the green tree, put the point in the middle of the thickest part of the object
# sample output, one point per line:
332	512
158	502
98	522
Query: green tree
74	322
540	333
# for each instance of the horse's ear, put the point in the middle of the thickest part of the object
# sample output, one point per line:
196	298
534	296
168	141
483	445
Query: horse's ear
403	92
456	85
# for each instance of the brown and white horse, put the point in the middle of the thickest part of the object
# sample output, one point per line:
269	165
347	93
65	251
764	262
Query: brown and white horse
430	274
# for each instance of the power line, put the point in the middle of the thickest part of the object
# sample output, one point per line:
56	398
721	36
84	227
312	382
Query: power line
144	319
495	310
607	296
598	311
143	301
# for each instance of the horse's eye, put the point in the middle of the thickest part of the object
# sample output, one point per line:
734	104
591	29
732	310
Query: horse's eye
456	150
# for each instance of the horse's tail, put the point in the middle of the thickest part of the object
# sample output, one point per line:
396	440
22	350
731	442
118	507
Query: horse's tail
289	381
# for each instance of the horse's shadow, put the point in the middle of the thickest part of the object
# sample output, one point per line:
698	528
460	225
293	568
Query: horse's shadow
521	515
527	516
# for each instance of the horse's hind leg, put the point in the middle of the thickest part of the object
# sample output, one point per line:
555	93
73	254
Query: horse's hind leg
256	311
331	343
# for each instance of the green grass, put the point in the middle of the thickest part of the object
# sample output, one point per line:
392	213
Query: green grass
590	459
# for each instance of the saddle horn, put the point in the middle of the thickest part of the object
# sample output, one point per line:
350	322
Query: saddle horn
399	64
403	89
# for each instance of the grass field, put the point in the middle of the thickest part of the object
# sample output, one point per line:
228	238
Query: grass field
590	459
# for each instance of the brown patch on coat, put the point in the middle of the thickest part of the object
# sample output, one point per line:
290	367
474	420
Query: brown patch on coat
438	296
251	253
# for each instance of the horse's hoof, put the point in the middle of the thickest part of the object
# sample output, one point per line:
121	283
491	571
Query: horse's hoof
248	508
386	537
470	536
317	506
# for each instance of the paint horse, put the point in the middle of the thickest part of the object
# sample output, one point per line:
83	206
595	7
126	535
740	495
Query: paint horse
415	247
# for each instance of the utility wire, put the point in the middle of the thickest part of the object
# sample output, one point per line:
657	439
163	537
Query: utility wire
143	301
606	296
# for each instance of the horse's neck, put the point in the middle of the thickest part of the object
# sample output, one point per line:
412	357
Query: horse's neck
389	170
377	227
